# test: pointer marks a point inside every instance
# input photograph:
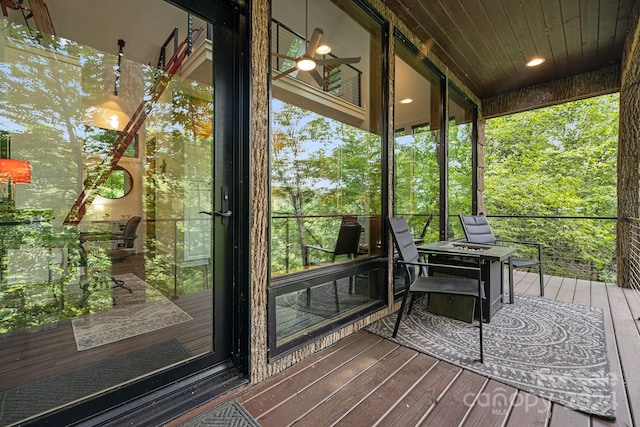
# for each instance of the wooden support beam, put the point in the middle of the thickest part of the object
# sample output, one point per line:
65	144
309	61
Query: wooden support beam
628	152
594	83
41	17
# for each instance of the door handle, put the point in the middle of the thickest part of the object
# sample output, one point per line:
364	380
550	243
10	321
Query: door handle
225	214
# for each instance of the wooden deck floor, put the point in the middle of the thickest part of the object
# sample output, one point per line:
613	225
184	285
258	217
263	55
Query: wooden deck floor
365	380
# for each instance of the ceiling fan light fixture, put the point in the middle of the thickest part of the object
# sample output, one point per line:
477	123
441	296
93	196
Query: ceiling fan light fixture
534	62
305	64
323	49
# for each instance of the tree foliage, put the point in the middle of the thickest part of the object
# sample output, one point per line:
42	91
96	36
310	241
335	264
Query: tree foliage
321	169
558	161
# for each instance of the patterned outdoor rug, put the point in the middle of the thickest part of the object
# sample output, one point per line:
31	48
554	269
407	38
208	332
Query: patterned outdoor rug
229	413
551	349
31	399
143	310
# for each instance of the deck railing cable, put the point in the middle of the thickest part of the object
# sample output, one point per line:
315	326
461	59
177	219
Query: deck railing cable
634	255
569	246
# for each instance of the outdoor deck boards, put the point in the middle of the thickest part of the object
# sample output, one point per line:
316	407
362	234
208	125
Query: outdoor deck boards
366	380
420	390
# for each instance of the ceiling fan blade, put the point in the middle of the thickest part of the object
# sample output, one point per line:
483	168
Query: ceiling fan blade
317	77
314	42
282	55
284	73
338	61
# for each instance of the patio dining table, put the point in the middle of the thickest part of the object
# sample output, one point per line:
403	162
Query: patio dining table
493	256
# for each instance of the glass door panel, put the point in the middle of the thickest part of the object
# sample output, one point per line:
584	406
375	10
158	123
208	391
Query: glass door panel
107	250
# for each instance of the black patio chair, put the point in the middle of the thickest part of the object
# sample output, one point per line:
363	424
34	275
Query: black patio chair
447	285
477	230
347	243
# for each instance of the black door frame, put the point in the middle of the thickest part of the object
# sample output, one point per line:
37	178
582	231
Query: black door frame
162	396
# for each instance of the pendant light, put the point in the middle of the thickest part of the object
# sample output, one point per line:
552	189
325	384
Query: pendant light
306	62
109	113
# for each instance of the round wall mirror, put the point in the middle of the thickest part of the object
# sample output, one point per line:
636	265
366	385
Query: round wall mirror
117	185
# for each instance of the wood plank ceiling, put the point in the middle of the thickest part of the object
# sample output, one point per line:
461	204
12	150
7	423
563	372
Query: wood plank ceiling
486	43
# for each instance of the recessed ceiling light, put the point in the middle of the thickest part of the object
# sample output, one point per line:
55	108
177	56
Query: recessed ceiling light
535	62
323	49
406	101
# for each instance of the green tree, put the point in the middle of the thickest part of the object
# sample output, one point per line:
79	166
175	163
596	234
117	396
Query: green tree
557	161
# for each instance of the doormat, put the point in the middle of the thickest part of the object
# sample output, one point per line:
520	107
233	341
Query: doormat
26	401
142	310
229	413
551	349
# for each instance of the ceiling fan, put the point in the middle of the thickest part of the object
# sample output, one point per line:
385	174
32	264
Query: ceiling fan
308	62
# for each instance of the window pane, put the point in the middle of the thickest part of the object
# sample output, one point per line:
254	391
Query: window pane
417	124
105	262
326	152
460	159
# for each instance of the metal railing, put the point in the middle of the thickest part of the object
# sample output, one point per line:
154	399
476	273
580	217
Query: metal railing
582	247
342	81
634	254
575	247
288	238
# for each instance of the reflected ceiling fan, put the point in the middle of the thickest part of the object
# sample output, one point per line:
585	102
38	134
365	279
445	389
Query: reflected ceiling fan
308	63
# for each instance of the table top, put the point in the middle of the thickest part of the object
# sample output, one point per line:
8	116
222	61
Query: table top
490	252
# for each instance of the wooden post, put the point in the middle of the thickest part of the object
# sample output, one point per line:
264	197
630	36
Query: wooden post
628	148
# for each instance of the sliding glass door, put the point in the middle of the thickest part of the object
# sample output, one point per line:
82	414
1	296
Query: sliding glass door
117	188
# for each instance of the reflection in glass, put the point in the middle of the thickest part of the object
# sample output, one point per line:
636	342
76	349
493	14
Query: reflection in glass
117	185
417	142
101	141
461	112
320	303
326	160
83	292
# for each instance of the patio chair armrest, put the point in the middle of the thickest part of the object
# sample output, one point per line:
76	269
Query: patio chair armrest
522	242
435	264
318	248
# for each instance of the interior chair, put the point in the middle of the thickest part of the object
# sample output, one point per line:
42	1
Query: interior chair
347	243
418	280
477	230
124	239
128	234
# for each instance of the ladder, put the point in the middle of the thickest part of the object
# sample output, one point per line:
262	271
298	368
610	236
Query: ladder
96	178
8	4
38	12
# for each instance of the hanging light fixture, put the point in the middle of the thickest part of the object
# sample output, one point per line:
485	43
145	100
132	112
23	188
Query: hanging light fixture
109	113
306	62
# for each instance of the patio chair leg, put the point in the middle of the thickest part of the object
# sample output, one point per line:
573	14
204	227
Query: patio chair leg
413	299
481	322
510	280
541	282
404	302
